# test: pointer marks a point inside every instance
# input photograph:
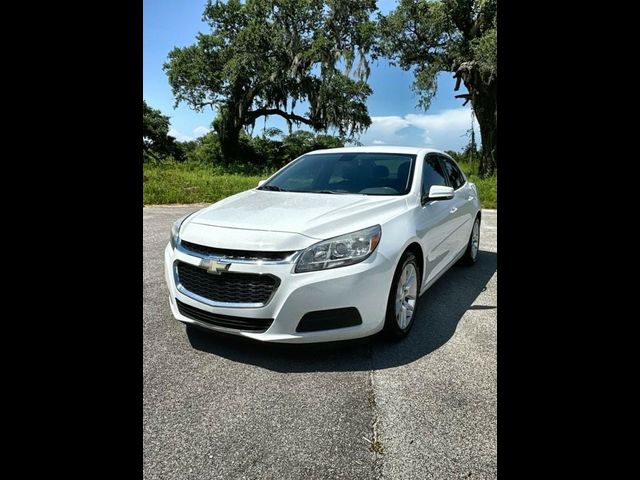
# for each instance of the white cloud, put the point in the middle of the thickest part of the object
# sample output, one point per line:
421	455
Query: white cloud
179	136
385	125
441	124
199	131
444	130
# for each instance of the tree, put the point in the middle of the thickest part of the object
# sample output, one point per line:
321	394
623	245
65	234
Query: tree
301	142
205	149
458	36
156	141
262	57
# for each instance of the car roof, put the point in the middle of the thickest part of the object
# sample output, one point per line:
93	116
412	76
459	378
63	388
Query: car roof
378	149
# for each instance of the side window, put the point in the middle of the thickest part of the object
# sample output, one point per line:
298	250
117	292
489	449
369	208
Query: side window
432	174
456	178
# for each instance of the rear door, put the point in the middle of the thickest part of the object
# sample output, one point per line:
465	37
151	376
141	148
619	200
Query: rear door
435	224
462	208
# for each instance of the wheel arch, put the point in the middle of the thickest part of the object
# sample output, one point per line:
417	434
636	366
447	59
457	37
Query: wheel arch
415	248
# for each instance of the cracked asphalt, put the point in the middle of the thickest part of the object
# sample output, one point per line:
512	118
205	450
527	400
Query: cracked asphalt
220	407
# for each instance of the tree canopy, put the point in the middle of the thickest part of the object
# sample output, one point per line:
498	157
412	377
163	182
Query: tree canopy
262	57
272	149
156	141
458	36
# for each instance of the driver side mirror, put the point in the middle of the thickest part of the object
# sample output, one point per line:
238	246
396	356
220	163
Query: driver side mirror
261	182
438	192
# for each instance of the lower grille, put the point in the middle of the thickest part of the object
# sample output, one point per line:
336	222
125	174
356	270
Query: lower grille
228	287
329	319
257	325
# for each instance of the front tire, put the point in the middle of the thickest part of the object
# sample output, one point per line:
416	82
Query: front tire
473	247
403	297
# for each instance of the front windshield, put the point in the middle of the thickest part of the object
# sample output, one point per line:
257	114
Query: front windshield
346	173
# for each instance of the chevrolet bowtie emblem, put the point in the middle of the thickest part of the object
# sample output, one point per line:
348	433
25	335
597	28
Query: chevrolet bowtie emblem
213	266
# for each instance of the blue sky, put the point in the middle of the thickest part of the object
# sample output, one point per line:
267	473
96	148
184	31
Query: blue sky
395	118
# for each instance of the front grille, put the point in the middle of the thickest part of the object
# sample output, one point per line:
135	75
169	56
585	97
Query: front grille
229	287
257	325
249	255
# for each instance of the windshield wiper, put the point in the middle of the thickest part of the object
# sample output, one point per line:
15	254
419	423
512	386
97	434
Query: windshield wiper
273	188
328	191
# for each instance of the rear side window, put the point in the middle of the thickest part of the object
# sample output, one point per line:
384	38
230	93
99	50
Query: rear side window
456	178
432	174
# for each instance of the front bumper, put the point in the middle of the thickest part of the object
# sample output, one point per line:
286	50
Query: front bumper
364	286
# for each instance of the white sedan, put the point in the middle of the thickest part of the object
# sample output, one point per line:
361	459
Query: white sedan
338	244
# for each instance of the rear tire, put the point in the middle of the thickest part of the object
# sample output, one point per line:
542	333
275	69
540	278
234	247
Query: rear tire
403	297
473	246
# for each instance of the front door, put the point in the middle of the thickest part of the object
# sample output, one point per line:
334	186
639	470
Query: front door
436	224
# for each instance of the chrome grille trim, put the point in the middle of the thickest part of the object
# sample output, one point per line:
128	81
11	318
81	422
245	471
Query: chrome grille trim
292	257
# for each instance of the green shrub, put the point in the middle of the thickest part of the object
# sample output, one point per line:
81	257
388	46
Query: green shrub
260	153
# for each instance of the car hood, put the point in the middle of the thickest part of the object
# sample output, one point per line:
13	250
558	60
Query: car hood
313	215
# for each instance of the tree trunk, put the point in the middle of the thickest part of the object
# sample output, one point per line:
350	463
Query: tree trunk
228	127
483	96
483	100
229	140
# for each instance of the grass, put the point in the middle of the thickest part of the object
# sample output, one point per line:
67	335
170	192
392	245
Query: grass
487	187
376	447
190	182
486	190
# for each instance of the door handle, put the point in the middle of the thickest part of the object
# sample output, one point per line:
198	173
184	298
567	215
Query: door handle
454	210
470	198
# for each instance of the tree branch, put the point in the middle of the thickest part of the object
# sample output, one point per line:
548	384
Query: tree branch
212	104
260	112
458	78
466	96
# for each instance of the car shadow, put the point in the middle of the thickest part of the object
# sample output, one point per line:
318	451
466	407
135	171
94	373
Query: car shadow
440	310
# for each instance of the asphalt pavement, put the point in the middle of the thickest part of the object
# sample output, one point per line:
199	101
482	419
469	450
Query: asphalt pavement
221	407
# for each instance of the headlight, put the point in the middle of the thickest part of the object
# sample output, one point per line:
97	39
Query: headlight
340	251
175	230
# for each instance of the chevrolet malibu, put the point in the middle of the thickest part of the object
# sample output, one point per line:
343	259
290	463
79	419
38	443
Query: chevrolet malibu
338	244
